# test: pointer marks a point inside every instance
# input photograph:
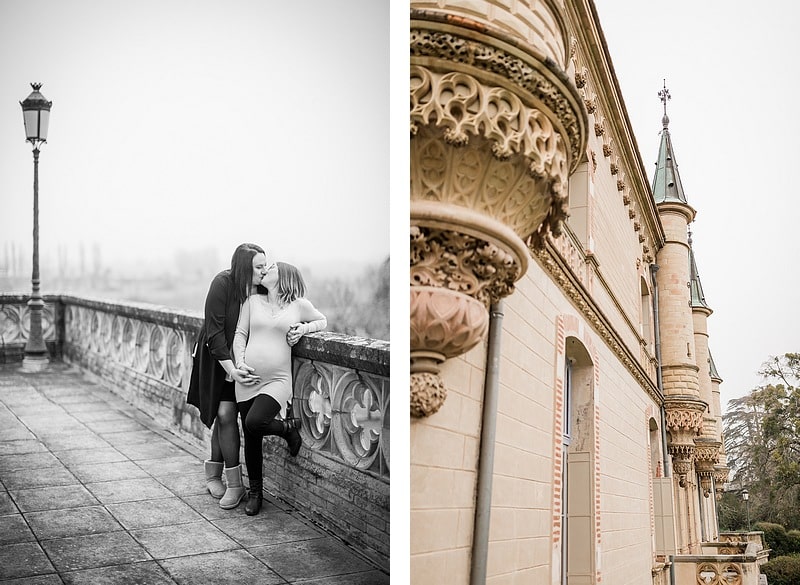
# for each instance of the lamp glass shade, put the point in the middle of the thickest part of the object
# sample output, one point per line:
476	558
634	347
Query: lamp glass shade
36	123
745	495
36	115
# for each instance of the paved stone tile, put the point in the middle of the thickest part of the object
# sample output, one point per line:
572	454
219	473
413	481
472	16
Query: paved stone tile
16	432
187	484
209	507
75	457
100	414
96	406
16	447
126	425
366	578
10	463
156	450
222	568
92	472
13	528
53	498
23	560
51	579
65	442
151	513
267	529
184	463
182	540
142	573
71	522
311	559
128	490
6	504
130	437
30	478
94	550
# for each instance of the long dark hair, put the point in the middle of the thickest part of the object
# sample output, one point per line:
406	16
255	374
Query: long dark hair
242	269
290	285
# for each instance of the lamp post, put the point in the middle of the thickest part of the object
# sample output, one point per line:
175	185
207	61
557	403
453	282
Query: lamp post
36	115
746	498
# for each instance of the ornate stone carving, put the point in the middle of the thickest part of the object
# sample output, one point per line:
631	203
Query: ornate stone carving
684	419
591	104
444	323
534	77
607	150
461	263
495	134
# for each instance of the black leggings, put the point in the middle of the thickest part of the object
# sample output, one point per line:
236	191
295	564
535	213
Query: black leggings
258	419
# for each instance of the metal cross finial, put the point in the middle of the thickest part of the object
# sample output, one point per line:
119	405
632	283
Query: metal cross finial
665	97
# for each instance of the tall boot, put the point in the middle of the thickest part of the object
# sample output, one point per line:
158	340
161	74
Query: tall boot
214	483
235	491
254	498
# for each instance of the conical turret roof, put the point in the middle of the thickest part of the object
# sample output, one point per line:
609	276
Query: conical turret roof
698	298
667	182
712	368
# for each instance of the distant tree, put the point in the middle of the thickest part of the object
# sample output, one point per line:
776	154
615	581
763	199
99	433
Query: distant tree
762	440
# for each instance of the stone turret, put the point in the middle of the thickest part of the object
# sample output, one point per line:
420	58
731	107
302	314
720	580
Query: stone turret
684	406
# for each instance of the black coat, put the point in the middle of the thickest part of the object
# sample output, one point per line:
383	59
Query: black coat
214	344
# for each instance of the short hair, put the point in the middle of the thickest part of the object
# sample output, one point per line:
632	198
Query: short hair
242	269
291	285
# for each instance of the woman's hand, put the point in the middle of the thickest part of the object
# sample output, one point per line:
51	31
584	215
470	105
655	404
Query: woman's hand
244	375
294	334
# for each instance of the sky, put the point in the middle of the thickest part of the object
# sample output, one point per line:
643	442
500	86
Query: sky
729	67
198	125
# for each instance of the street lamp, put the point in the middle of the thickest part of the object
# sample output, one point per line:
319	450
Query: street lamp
36	114
746	498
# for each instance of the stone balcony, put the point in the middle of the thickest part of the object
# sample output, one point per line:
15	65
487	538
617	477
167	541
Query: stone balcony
142	354
734	560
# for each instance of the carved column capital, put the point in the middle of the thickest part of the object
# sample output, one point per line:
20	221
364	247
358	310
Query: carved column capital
684	421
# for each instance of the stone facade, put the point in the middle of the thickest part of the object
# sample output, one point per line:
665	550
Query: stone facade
531	209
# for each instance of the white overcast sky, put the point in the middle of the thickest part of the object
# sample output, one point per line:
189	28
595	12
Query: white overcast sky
199	124
731	70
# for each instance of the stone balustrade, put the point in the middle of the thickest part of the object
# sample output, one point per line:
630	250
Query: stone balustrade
341	394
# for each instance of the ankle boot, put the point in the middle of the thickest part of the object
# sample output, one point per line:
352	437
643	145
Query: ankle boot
292	436
214	483
254	498
235	491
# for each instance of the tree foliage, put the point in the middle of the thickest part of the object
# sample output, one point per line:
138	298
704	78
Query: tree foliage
762	440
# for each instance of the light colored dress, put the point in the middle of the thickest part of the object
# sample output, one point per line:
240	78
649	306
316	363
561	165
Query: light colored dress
260	342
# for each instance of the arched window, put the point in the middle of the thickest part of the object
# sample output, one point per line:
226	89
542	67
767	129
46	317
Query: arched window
577	451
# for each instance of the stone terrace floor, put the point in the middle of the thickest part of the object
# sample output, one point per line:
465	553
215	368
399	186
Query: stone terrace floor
92	491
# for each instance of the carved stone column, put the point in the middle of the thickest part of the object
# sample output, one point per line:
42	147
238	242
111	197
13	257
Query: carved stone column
684	418
496	129
706	458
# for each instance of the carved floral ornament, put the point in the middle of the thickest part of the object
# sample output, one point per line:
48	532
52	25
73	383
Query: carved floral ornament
493	137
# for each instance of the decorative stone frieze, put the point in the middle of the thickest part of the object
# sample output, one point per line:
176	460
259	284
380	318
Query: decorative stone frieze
496	129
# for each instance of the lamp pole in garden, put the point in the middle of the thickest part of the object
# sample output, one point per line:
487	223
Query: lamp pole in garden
36	115
746	498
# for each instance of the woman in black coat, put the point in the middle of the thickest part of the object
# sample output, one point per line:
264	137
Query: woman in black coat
211	387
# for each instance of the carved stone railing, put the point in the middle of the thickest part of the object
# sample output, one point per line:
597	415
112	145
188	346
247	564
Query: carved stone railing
735	560
341	394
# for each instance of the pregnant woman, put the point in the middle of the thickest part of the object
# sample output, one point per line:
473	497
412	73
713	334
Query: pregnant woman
269	325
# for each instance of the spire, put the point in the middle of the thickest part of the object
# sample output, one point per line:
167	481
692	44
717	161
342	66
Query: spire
698	298
666	183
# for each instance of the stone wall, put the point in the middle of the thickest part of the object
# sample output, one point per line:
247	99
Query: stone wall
143	353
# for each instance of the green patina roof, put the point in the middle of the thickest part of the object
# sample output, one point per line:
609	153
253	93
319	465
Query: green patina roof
667	182
698	298
712	369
